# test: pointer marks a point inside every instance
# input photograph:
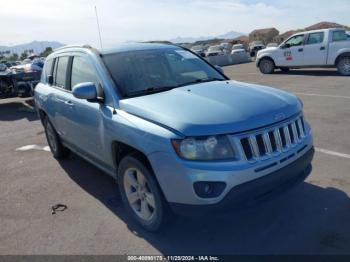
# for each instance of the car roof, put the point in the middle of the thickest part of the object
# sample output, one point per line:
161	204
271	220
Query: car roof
136	47
118	48
318	30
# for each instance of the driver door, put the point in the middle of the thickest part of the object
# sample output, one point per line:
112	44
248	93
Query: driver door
291	53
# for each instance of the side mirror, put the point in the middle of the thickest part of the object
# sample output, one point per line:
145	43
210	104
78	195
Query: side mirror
50	80
219	69
285	46
86	91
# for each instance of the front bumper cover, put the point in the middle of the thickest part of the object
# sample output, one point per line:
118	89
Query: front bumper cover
255	191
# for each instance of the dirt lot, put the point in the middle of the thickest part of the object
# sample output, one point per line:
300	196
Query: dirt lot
313	218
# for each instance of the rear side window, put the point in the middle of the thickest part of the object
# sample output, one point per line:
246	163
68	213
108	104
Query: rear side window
315	38
82	71
339	36
61	71
47	70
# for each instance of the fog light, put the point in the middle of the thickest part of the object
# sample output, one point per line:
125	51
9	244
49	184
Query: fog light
209	189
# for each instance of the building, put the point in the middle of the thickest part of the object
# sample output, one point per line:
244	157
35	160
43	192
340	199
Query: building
282	37
265	35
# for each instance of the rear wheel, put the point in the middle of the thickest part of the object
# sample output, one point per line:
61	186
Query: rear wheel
343	66
266	66
141	194
57	149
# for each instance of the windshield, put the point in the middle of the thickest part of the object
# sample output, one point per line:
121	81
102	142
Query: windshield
148	71
237	47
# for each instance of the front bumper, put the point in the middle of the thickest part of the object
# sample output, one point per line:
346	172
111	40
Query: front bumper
177	177
255	191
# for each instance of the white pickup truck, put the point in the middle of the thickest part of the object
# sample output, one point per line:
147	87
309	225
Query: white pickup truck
317	48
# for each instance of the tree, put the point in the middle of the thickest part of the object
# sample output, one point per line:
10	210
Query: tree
13	57
24	55
48	50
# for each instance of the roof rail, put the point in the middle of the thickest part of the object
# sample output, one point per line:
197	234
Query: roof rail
72	46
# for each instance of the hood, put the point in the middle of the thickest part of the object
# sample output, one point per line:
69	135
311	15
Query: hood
219	107
267	50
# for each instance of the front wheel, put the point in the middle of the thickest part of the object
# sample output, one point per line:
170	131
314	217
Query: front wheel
266	66
141	194
343	66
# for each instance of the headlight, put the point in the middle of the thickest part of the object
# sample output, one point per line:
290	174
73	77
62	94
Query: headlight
204	148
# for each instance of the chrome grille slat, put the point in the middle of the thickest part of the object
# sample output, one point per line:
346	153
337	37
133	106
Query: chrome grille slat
274	140
278	139
301	127
267	143
254	146
295	133
287	135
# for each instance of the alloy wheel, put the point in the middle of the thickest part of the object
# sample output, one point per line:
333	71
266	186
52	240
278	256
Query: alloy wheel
139	195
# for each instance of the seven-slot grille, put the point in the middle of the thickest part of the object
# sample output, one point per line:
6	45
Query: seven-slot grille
279	138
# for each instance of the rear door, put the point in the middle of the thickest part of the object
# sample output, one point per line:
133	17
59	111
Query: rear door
59	105
293	52
315	49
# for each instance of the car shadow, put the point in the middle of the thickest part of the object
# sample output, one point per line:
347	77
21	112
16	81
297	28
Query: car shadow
310	72
15	110
307	219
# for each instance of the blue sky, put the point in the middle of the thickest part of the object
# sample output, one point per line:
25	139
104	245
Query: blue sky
122	20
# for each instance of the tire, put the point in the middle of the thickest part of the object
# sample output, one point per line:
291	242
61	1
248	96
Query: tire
53	140
141	194
343	66
266	66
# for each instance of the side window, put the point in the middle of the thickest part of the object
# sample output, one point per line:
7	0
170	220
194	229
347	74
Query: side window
339	36
315	38
82	71
295	40
46	71
61	71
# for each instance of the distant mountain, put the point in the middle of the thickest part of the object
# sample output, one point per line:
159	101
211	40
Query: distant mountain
228	35
37	46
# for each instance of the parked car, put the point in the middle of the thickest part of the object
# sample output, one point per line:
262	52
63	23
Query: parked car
215	50
226	47
20	80
254	47
199	50
238	49
172	129
317	48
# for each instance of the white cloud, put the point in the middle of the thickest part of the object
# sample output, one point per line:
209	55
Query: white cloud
121	20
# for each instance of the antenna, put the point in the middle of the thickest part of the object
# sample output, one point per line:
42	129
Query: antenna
98	28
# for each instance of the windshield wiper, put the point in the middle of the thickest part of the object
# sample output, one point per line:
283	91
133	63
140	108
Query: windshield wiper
211	79
150	90
153	90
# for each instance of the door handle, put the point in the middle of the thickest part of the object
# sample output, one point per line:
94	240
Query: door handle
322	48
69	103
300	50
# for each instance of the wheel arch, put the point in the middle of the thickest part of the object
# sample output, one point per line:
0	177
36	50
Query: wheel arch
42	115
121	150
344	54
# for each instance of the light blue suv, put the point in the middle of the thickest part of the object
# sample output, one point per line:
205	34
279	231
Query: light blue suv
174	131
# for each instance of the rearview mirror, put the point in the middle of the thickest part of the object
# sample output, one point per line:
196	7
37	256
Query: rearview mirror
86	91
219	69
